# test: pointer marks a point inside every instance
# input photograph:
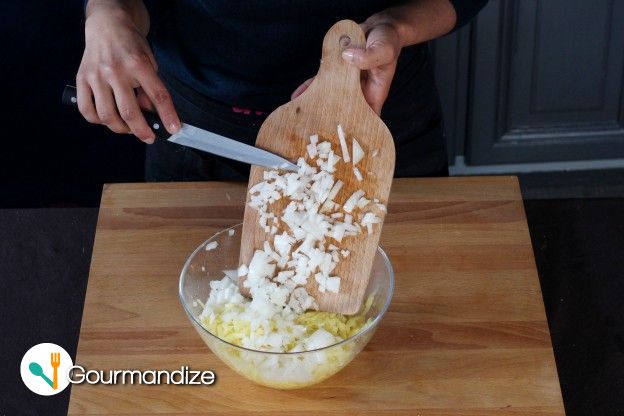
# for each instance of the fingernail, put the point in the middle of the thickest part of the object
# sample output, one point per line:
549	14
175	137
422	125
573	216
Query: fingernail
347	54
174	127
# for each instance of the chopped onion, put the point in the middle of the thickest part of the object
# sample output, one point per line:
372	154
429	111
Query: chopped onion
212	245
362	202
327	206
312	151
335	189
332	284
313	228
357	174
343	144
350	204
232	275
358	153
370	217
324	147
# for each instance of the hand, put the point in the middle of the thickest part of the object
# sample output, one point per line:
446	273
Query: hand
378	60
116	61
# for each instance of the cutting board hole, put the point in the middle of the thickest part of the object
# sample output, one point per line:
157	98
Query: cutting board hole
344	41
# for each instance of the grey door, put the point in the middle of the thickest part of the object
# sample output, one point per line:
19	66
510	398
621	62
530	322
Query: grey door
544	82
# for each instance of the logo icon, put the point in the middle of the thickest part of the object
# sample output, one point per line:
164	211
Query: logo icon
44	369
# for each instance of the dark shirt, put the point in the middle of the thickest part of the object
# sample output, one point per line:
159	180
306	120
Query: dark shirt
217	55
254	54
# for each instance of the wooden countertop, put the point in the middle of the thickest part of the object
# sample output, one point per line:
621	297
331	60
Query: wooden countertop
466	332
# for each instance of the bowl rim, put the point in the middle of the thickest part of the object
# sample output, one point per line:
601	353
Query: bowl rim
368	327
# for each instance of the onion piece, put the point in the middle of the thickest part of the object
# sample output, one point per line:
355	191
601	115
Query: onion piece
323	147
350	204
312	151
332	284
362	202
343	144
335	189
357	152
357	174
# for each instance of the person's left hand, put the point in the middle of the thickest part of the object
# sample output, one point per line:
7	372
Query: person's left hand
378	61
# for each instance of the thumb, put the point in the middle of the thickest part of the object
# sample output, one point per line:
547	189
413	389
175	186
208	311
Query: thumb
380	50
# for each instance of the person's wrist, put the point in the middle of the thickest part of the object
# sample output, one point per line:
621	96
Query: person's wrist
104	14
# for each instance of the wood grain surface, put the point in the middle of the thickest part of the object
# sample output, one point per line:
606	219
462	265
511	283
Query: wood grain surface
465	334
335	97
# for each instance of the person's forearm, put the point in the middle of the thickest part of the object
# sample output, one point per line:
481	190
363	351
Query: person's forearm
418	21
134	10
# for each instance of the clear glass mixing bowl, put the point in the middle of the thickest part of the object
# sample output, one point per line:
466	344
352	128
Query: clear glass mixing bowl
283	370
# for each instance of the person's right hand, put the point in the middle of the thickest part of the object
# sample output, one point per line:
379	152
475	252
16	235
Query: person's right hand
117	61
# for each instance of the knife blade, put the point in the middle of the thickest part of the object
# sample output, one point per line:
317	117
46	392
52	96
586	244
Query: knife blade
210	142
204	140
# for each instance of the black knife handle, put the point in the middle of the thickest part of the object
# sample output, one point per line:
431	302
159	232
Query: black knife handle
70	98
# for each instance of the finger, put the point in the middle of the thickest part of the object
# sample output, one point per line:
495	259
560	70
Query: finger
301	88
144	102
130	112
84	96
365	27
161	99
381	49
107	109
373	56
376	86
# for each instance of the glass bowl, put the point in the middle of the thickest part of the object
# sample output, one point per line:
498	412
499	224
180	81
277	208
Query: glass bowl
283	370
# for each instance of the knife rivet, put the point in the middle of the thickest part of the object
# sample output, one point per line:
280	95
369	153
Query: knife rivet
74	100
156	126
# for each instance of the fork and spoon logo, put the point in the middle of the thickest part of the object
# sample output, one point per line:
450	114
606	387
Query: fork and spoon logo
56	362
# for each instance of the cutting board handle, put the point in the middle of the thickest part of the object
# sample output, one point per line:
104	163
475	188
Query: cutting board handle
335	74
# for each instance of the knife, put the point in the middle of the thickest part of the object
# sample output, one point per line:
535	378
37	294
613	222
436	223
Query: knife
204	140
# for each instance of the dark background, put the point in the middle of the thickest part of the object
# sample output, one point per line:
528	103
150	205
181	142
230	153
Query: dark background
49	154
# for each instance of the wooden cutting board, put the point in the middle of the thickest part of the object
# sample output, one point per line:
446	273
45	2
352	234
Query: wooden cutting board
466	332
334	97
